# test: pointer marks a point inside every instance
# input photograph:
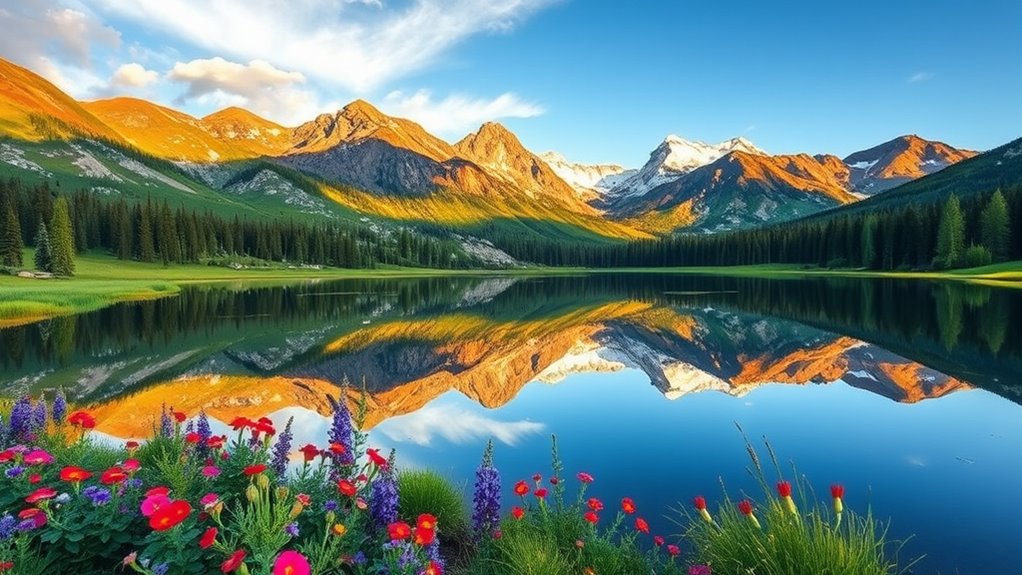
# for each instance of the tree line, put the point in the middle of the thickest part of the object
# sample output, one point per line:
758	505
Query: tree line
973	231
61	226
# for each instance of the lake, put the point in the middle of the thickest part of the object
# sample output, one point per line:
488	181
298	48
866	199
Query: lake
905	391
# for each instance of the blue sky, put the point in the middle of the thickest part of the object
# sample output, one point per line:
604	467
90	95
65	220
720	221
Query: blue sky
599	81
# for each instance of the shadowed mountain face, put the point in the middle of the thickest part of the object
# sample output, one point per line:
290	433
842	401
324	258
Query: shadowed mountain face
408	342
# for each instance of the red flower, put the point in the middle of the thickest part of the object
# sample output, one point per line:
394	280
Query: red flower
233	562
673	550
424	537
540	493
627	505
82	419
191	437
658	540
310	452
377	459
208	538
179	416
38	516
837	491
34	478
584	477
517	512
131	445
699	502
784	488
264	425
239	423
73	474
41	494
433	568
131	465
255	469
591	517
595	504
554	481
537	478
112	476
641	525
304	499
166	517
6	565
6	455
426	521
521	489
336	448
399	531
745	506
216	442
158	491
347	488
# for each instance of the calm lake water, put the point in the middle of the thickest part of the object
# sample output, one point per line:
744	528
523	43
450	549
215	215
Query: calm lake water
905	391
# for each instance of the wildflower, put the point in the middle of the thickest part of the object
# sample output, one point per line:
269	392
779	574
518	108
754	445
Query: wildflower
745	507
281	451
210	471
399	531
517	512
37	457
641	525
384	499
254	469
21	418
129	559
169	516
591	517
434	568
192	437
700	570
208	538
838	493
82	419
239	423
34	478
338	529
166	425
7	526
330	505
153	503
205	434
377	459
537	478
161	569
39	415
209	500
674	550
337	449
595	504
486	496
13	472
521	489
98	495
700	504
113	476
233	562
161	490
59	410
627	505
540	493
584	477
131	465
41	494
6	566
31	518
179	416
291	563
309	452
347	488
131	445
554	481
784	490
342	433
291	529
658	540
74	474
424	537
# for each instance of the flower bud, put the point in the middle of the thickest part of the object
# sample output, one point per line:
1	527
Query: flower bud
296	510
263	481
252	493
330	517
282	492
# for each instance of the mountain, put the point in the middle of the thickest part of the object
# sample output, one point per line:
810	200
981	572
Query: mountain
591	181
33	109
247	130
675	157
900	160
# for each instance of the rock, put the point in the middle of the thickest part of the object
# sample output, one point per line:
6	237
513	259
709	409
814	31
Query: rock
25	274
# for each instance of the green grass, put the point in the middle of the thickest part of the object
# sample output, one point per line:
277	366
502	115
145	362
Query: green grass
426	491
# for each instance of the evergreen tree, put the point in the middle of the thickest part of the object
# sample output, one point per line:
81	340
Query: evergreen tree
869	246
43	261
951	235
995	230
146	246
10	237
62	240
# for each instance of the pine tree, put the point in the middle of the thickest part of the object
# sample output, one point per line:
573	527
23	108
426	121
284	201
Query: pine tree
10	237
43	261
869	239
995	230
951	235
146	248
62	240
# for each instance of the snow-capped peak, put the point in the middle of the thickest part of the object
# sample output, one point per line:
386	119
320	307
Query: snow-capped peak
585	177
676	156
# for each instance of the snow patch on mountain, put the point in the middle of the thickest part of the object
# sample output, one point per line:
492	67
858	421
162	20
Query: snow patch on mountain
269	183
586	177
16	157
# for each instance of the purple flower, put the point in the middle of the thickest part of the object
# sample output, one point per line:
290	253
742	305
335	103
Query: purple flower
59	407
291	529
330	505
39	415
700	570
281	451
161	569
98	495
342	432
433	554
359	558
383	499
26	525
7	526
205	432
21	418
13	472
166	424
486	497
190	426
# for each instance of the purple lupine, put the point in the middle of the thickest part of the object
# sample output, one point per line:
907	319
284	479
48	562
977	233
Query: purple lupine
59	407
39	413
21	419
282	452
383	499
15	471
486	497
166	424
205	433
342	432
4	432
190	426
433	554
7	525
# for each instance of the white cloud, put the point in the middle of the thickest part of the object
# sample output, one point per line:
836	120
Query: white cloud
258	86
352	45
456	425
920	77
456	114
133	76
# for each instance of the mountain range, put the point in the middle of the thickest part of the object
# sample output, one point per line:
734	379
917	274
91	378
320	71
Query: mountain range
360	163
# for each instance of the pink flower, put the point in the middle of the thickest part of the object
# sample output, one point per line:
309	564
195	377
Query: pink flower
209	499
38	457
584	477
154	503
210	471
131	465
